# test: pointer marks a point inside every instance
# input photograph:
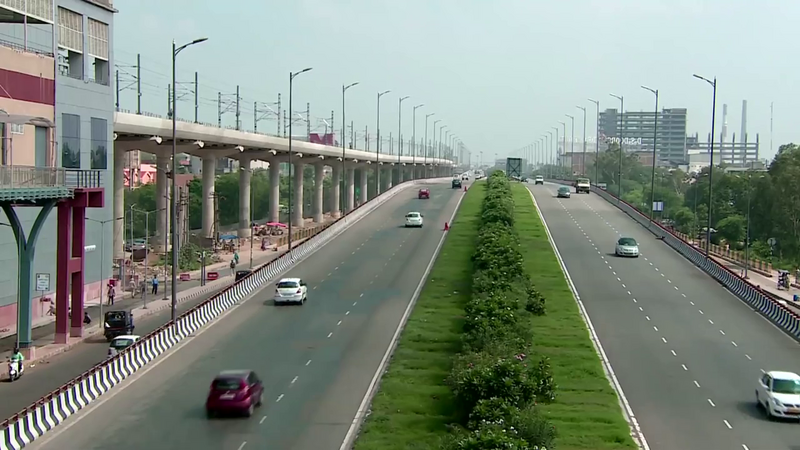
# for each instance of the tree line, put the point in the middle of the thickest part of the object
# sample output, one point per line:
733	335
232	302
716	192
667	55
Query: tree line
765	201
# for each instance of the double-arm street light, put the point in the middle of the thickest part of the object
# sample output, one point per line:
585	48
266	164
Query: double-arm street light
344	121
713	84
378	146
173	204
400	132
414	138
655	136
596	142
620	130
292	75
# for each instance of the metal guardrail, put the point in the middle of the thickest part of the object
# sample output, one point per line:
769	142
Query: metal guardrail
30	177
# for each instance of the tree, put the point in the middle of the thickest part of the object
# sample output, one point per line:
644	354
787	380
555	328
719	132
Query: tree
732	229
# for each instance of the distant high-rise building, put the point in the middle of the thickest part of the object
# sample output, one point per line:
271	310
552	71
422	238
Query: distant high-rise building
637	132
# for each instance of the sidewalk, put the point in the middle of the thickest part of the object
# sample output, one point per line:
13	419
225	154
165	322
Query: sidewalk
43	333
765	283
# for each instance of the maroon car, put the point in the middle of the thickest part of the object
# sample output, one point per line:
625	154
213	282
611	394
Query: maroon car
234	391
424	193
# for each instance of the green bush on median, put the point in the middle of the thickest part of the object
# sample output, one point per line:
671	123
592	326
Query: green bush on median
495	383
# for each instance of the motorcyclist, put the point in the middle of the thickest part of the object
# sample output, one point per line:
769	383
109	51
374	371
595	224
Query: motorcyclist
18	358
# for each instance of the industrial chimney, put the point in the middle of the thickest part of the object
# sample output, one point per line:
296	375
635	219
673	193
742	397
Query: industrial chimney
743	132
724	133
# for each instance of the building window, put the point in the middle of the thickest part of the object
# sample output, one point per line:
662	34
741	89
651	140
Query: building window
17	128
70	43
70	141
99	143
98	49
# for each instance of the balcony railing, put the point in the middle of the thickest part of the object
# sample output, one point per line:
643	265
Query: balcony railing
27	177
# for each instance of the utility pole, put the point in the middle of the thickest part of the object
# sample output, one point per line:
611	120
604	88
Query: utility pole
225	104
196	98
308	123
238	122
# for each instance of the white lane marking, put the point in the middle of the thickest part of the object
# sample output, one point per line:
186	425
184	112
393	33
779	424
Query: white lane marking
734	344
664	339
748	356
711	321
727	424
347	313
280	397
711	403
243	444
262	420
685	368
722	332
308	362
294	379
701	311
691	303
354	303
338	323
640	309
655	329
744	447
361	295
684	295
673	353
696	383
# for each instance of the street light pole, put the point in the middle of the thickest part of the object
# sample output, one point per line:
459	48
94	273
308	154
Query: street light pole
619	137
173	204
344	124
711	156
427	146
596	142
583	157
433	140
572	140
291	166
399	133
414	139
655	137
378	147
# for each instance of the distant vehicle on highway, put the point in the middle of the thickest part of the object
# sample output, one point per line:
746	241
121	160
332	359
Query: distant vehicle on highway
465	177
582	185
414	219
424	193
779	394
627	246
120	343
234	391
563	192
538	180
456	183
291	290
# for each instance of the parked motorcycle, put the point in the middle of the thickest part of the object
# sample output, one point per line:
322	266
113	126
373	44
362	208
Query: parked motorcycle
783	279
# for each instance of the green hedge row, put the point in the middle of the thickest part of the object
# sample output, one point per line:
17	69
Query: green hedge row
495	383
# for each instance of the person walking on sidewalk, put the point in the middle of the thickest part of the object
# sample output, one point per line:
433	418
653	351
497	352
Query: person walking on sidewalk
233	266
111	294
155	285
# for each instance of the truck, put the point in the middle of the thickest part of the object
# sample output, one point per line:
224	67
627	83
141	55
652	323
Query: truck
582	185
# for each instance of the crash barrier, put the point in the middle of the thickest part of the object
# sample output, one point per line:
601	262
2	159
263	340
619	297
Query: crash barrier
776	312
48	412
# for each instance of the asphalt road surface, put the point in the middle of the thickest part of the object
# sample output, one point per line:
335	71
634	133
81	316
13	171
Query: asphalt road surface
316	360
687	352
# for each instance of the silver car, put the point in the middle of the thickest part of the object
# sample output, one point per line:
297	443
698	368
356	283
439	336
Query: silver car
627	246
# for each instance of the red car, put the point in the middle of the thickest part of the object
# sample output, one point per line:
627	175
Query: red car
424	193
234	391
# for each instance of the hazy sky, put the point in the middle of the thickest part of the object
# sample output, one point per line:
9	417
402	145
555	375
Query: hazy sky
498	73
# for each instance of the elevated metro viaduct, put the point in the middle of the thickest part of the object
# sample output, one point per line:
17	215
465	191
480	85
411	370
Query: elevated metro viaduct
153	135
70	192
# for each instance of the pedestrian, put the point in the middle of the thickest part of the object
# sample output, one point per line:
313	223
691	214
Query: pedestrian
155	285
233	267
111	293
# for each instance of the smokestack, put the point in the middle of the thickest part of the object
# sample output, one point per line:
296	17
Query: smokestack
724	123
743	131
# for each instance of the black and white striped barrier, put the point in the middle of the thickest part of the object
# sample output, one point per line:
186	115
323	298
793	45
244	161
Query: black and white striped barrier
777	313
47	413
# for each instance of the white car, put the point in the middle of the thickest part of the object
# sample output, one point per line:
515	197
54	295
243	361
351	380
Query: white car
414	219
627	246
779	394
291	290
120	343
538	180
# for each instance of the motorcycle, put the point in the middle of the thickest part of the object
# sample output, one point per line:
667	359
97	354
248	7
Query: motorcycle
15	370
783	280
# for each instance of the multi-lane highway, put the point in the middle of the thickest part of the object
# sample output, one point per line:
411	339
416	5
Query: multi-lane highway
316	360
687	352
43	377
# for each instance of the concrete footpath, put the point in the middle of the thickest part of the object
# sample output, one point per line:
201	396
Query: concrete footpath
44	332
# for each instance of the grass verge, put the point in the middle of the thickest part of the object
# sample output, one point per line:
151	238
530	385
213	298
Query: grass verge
414	405
586	413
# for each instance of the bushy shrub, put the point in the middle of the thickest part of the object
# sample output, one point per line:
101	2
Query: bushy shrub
495	383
